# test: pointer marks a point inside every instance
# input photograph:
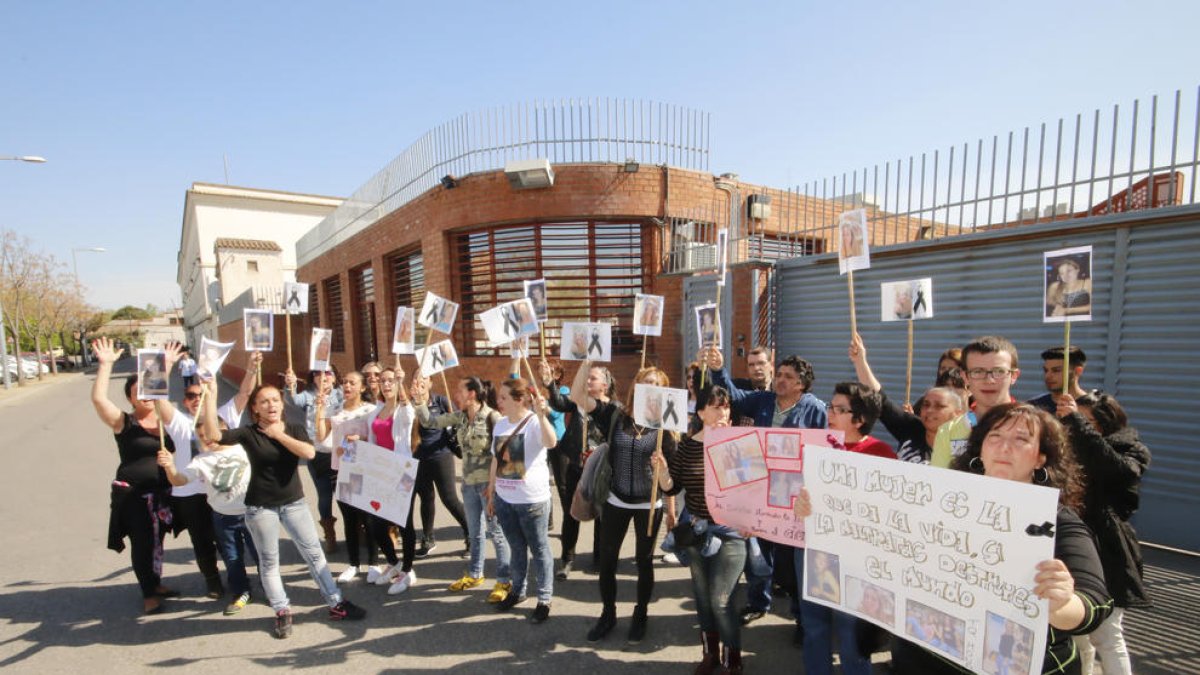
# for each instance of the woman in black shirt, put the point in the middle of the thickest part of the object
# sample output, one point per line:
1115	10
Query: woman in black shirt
631	450
139	506
275	498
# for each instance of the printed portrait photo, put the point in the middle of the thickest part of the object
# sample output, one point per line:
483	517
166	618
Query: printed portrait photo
738	461
783	445
404	336
708	326
783	487
210	357
438	313
586	341
660	407
510	458
153	380
356	483
536	292
822	575
1067	285
853	251
870	600
260	329
647	315
319	348
934	628
904	300
1008	647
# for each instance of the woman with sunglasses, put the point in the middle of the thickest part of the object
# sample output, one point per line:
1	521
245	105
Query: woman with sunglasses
321	383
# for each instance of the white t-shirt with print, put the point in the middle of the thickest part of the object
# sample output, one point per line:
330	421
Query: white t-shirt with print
224	475
525	478
182	431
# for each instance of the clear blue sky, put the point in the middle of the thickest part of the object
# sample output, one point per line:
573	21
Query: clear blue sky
133	101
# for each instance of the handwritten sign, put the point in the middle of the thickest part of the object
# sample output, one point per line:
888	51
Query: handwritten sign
945	560
377	480
752	475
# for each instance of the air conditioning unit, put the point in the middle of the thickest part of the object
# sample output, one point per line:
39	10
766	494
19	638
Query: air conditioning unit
759	207
694	255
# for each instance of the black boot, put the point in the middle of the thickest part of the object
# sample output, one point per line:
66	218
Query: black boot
606	622
637	627
732	663
212	576
710	642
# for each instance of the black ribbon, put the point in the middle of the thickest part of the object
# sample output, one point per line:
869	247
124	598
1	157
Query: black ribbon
1046	529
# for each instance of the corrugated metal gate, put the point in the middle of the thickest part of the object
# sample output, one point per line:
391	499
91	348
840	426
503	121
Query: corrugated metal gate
1140	344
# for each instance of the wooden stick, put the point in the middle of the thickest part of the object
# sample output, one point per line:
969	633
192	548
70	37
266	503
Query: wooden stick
203	393
853	317
162	441
258	374
288	323
446	386
654	486
908	372
532	378
645	343
542	337
1066	385
425	356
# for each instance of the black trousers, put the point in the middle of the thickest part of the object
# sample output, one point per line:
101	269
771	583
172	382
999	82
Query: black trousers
194	514
566	479
143	545
612	525
438	472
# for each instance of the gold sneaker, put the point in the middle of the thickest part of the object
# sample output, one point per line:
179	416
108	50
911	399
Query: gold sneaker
465	583
499	592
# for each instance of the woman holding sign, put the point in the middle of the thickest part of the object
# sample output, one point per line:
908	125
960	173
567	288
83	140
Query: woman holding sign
714	573
390	426
1016	441
519	490
631	450
140	508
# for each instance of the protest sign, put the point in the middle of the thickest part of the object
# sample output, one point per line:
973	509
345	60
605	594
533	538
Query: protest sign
319	348
648	315
212	355
376	480
581	341
295	297
536	292
854	252
437	357
946	560
404	336
507	322
660	407
437	313
708	326
152	374
751	476
1067	285
259	325
904	300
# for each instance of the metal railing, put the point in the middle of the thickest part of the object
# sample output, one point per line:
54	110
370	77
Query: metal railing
563	131
1143	156
254	297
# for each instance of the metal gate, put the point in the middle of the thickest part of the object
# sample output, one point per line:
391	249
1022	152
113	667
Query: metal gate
1140	342
697	291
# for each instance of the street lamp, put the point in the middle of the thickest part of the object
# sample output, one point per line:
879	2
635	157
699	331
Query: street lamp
75	267
3	339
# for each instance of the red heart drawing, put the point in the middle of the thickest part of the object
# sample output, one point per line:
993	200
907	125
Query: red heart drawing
375	505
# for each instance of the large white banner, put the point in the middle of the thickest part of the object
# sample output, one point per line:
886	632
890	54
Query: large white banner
377	480
752	475
945	559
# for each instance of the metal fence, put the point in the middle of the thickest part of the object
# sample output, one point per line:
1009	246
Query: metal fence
563	131
1138	156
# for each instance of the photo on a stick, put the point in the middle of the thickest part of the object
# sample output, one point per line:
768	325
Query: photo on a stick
904	300
153	378
535	290
404	335
708	326
1067	285
660	407
319	348
592	341
648	314
438	313
295	297
212	355
854	252
260	329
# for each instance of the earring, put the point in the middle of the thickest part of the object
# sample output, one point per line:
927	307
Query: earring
976	464
1041	476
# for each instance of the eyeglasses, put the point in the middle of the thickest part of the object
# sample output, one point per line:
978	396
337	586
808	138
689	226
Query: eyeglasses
189	395
840	409
995	373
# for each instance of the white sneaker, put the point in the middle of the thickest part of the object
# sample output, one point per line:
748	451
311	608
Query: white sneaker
348	576
671	558
387	575
403	583
373	574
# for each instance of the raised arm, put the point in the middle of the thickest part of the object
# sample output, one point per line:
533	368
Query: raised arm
107	355
542	409
242	397
858	356
211	428
579	395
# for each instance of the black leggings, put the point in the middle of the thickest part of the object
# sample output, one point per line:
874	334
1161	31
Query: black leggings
352	519
612	524
566	478
135	522
377	536
439	471
193	513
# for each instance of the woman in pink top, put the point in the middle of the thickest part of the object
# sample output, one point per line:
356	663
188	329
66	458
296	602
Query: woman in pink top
390	426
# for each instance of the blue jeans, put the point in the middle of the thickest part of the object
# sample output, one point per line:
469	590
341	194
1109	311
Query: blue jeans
819	623
526	526
235	546
264	523
477	520
714	580
758	587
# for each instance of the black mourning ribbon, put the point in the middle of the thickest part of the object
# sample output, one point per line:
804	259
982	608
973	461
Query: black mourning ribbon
595	343
1046	529
670	413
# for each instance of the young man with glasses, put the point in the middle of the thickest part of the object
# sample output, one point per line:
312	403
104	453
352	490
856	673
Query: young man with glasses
991	368
189	505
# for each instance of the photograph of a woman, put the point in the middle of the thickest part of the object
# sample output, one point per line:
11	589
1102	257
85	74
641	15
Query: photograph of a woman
853	252
260	329
1068	285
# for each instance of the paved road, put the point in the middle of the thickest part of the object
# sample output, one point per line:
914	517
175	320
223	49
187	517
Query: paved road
67	604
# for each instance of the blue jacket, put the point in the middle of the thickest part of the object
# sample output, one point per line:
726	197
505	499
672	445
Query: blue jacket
808	413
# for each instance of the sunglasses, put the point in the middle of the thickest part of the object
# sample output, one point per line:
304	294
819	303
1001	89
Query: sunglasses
191	395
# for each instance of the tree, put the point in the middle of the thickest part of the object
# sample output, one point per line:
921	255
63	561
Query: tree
18	269
129	312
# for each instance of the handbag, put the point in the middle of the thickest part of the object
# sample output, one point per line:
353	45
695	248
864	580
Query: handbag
595	481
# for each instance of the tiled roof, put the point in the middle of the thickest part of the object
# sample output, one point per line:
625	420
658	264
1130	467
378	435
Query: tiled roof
246	244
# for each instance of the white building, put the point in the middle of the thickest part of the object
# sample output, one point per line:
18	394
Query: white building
249	270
